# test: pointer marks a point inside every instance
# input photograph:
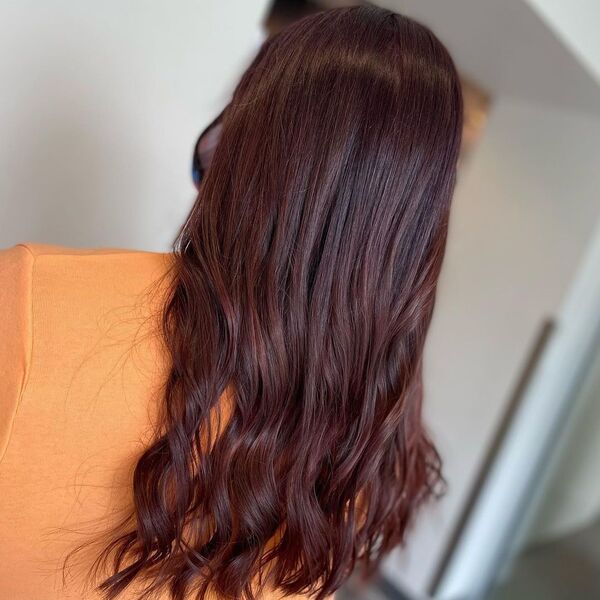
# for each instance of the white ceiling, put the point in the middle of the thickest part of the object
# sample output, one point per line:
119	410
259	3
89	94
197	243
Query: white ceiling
505	47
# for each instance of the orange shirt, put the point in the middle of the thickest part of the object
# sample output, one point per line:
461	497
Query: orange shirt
81	374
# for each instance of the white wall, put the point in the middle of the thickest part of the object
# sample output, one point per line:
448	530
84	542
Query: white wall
516	480
572	499
524	208
100	107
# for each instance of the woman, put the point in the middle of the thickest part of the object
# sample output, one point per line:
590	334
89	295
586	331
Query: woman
241	418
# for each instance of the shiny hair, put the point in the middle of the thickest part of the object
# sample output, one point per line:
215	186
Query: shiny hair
291	448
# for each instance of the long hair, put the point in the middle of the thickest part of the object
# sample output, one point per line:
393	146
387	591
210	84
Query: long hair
291	449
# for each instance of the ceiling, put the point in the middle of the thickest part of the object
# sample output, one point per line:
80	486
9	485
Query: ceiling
507	49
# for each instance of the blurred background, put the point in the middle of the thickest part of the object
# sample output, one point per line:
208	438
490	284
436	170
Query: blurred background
100	107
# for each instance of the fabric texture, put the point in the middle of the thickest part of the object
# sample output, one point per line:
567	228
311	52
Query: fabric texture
82	374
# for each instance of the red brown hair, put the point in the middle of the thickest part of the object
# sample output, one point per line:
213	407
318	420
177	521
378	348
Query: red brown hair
304	283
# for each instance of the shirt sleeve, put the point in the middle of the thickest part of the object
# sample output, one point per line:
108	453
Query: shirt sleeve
16	266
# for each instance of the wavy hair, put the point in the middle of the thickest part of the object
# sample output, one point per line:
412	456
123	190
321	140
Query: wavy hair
291	448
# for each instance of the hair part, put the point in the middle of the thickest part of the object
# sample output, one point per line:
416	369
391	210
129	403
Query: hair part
291	447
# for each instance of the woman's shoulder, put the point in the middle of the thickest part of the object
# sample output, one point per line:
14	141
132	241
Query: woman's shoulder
127	266
78	277
16	265
60	306
82	367
36	249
